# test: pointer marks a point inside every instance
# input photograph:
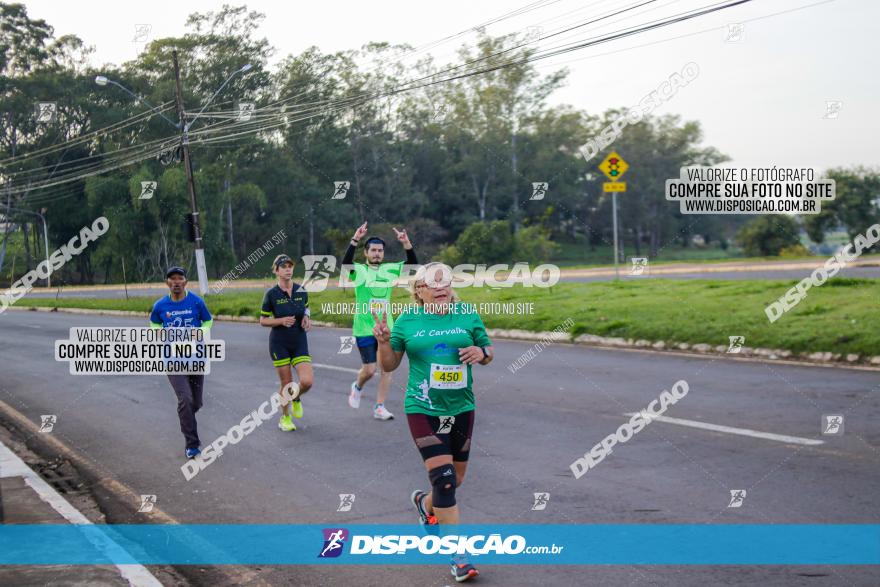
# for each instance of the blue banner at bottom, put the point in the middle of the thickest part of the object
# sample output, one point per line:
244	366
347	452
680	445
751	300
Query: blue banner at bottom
234	544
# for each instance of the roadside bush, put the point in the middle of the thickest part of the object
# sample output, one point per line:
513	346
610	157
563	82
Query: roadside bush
797	250
494	242
766	236
533	245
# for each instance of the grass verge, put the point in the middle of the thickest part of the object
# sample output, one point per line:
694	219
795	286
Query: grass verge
841	316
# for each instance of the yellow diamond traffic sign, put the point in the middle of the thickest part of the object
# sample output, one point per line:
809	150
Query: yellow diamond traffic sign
613	166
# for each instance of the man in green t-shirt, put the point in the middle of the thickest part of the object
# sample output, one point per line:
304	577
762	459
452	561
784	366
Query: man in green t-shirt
374	283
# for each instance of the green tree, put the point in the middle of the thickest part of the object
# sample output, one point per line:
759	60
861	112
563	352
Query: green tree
766	236
36	67
490	113
454	162
656	148
856	205
482	242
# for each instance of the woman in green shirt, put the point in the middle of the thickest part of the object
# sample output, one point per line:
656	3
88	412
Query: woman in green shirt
442	338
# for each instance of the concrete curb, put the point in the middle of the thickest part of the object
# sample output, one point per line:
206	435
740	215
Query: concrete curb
818	358
826	359
114	497
134	575
709	269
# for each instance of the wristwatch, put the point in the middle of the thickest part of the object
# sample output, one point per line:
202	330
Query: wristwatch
485	354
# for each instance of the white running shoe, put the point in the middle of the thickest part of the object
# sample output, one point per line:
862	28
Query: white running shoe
380	413
354	398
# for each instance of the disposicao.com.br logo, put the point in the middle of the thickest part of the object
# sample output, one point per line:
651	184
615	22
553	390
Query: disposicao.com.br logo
448	544
334	541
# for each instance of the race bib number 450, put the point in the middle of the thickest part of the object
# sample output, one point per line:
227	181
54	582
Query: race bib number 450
448	376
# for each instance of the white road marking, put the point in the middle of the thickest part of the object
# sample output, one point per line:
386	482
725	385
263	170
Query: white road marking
740	431
335	368
12	466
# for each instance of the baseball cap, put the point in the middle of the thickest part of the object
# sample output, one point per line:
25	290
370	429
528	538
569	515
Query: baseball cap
172	270
281	260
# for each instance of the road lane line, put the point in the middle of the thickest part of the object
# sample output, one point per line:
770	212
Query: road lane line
740	431
335	368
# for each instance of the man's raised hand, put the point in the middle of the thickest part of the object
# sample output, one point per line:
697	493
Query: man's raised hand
360	232
401	236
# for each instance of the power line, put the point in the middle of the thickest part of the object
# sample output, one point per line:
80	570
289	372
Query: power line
691	34
169	104
115	127
214	134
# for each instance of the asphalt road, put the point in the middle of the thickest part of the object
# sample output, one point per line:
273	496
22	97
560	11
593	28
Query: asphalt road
529	427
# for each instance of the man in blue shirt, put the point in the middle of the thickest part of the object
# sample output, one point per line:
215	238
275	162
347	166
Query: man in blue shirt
182	309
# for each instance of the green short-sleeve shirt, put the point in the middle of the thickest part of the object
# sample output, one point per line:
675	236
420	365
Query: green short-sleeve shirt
373	294
439	384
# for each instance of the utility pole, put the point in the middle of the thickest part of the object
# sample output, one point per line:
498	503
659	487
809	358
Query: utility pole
183	127
187	163
229	209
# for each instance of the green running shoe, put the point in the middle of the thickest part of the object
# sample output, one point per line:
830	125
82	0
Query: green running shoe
297	409
286	424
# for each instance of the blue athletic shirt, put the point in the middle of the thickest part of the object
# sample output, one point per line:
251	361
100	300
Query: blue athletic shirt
190	312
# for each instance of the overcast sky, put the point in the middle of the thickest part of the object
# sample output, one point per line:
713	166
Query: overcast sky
761	99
